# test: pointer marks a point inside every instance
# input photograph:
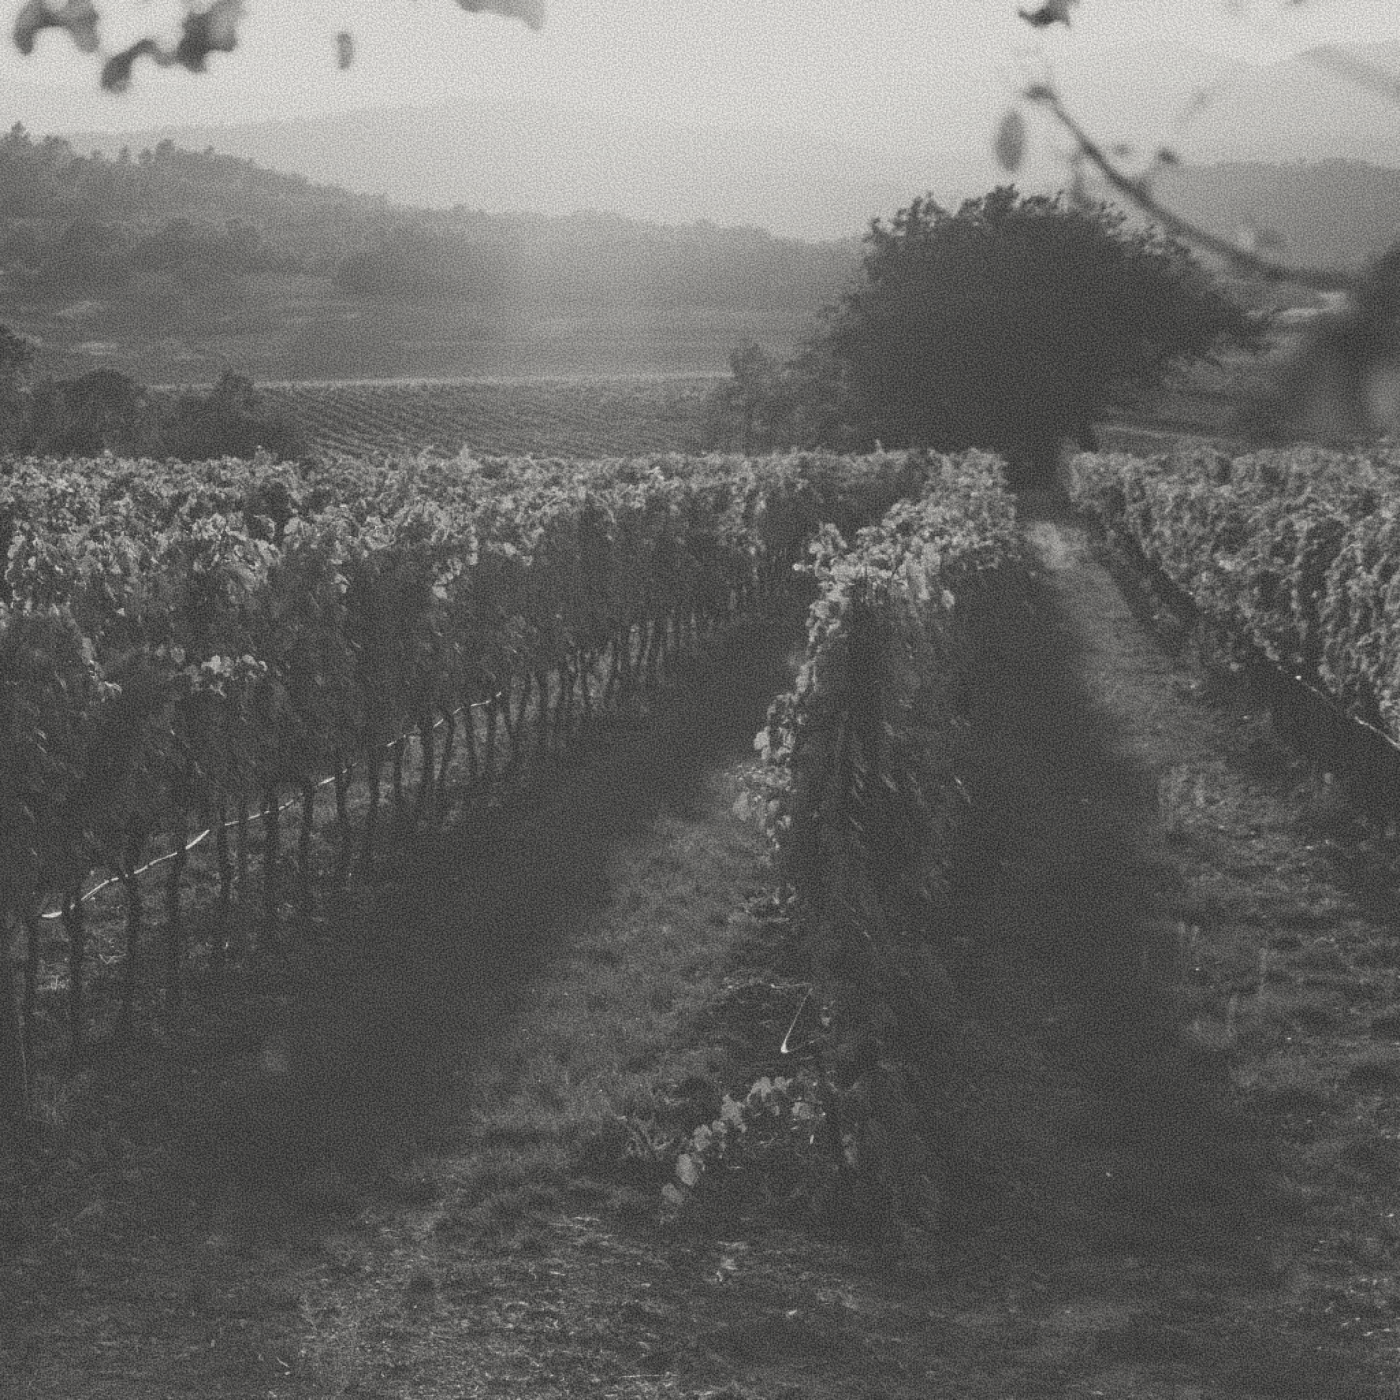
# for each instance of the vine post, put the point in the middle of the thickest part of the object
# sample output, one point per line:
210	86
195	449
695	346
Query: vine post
174	916
14	1065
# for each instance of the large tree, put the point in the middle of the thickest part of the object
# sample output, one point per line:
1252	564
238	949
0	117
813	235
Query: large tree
1013	322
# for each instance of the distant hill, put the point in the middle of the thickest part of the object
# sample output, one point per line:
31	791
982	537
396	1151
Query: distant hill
1305	108
542	158
1335	213
1215	110
173	264
458	239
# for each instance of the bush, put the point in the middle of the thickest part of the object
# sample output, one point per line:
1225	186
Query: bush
229	421
97	412
105	411
767	406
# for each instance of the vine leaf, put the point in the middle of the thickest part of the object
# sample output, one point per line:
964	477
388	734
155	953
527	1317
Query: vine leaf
1010	145
1052	12
211	30
78	17
531	11
116	72
214	30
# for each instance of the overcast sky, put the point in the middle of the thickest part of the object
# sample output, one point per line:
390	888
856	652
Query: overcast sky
843	66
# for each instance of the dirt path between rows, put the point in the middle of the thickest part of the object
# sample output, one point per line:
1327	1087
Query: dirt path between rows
1172	1174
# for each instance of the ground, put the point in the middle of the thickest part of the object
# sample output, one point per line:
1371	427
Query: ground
1172	1171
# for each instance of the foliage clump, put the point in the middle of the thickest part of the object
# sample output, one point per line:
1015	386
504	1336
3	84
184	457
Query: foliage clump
411	264
107	411
1341	383
1294	553
231	420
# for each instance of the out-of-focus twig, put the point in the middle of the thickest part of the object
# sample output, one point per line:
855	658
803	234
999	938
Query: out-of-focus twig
1356	71
1137	191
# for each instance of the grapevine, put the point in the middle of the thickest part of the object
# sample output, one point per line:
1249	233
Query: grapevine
188	648
1293	551
863	799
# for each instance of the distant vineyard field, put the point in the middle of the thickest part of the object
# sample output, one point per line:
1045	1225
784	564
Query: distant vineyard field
556	418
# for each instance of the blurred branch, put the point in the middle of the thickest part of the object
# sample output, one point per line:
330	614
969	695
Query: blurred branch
1138	191
1356	71
204	31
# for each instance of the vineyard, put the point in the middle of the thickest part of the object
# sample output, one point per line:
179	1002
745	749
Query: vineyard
1005	989
551	418
185	649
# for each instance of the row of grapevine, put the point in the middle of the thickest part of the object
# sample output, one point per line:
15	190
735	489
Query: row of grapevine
583	419
184	646
864	798
1295	552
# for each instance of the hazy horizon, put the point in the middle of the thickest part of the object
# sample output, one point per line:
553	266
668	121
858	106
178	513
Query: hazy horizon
817	64
867	105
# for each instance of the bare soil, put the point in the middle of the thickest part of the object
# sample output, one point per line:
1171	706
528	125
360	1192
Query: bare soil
1172	1158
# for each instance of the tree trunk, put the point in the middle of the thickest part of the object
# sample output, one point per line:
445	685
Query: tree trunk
29	1013
244	859
513	723
399	745
542	718
649	657
568	679
519	739
488	759
610	682
306	896
587	667
373	759
135	920
342	820
427	771
272	858
449	746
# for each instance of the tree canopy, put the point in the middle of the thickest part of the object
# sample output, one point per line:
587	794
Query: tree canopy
1014	321
105	410
1010	324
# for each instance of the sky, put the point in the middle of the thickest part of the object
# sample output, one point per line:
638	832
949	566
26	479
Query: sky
841	66
902	95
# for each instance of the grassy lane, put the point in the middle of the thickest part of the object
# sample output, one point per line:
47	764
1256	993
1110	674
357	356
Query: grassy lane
1134	1199
1196	1161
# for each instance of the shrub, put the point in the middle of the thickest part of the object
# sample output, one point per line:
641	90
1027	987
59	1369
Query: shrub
96	412
229	421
